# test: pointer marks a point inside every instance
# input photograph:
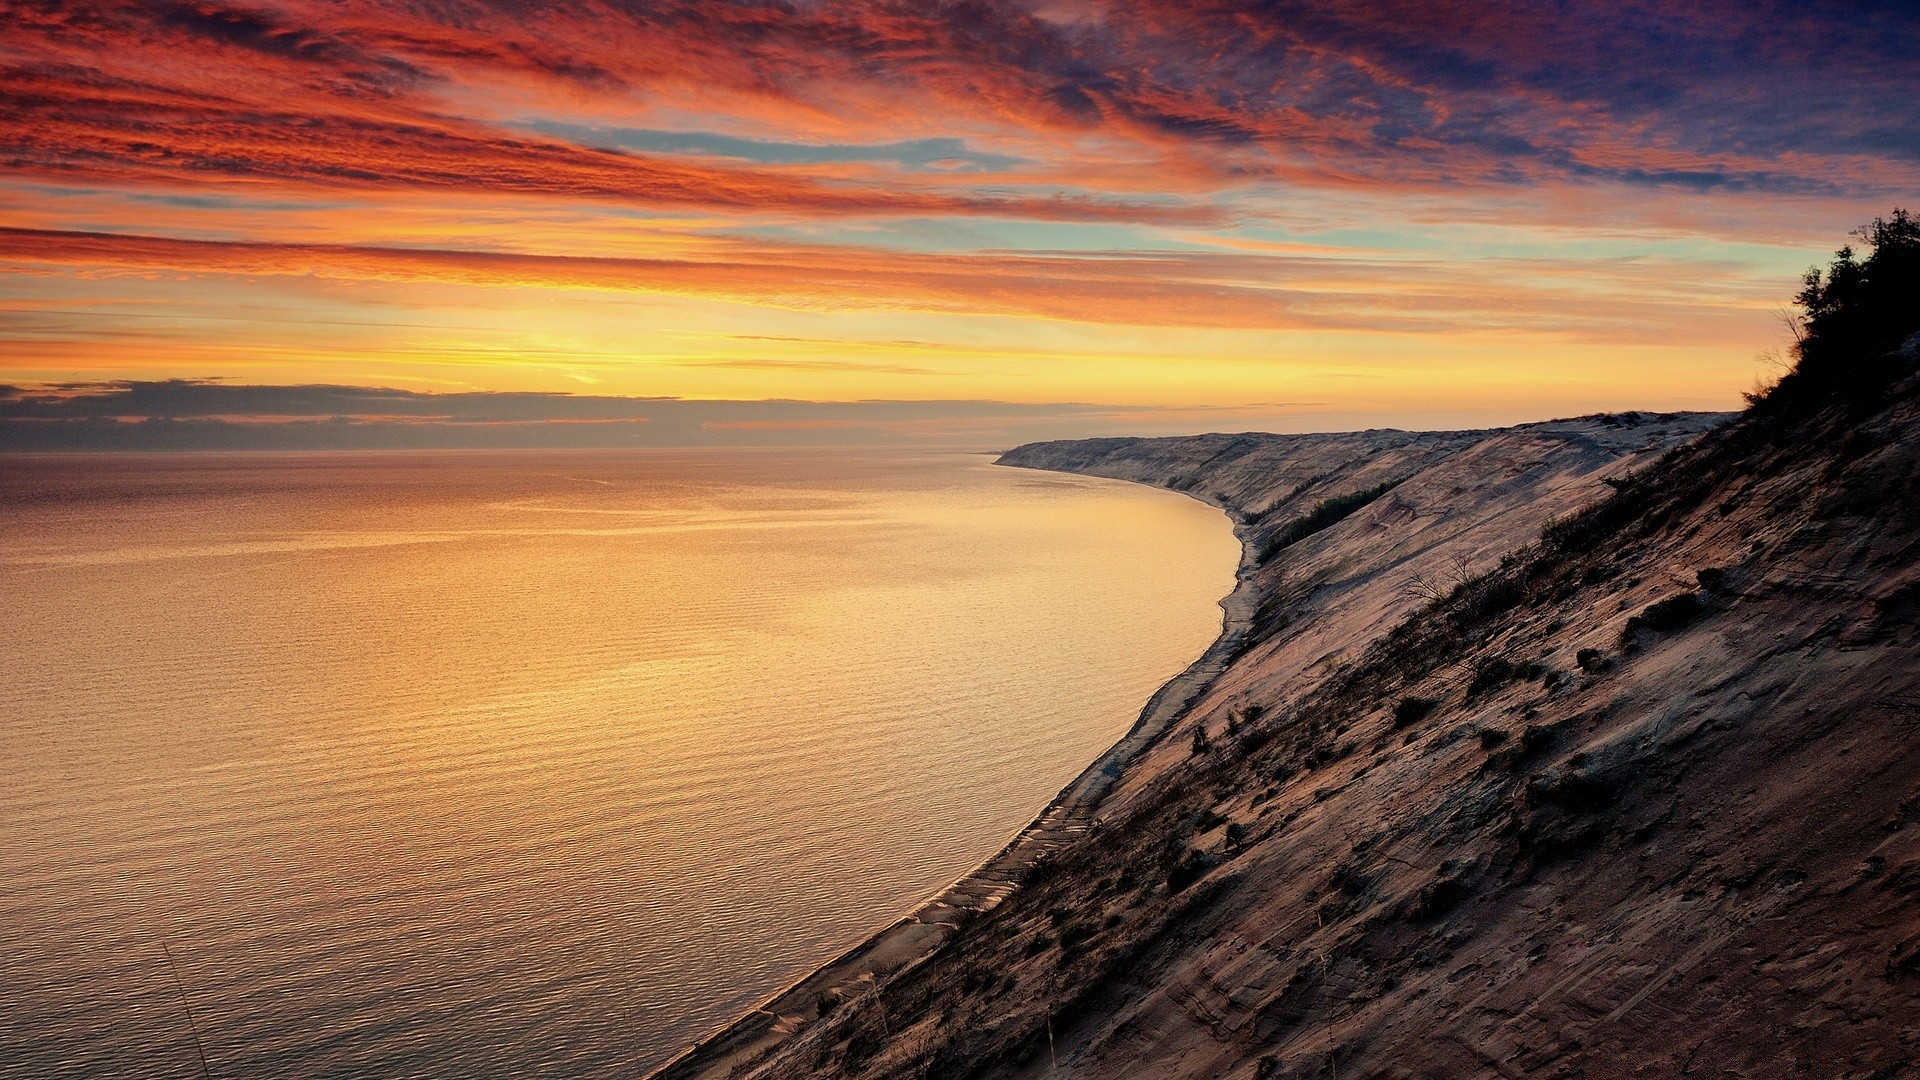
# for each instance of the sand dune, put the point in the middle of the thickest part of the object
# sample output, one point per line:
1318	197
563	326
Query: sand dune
1637	801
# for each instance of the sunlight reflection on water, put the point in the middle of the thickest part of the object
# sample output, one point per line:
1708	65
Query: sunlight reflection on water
460	764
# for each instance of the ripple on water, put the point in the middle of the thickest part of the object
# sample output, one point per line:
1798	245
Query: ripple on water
496	765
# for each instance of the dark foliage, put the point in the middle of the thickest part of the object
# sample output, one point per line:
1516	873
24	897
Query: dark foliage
1491	674
1440	895
1412	710
1191	868
1495	672
1858	312
1671	613
1324	515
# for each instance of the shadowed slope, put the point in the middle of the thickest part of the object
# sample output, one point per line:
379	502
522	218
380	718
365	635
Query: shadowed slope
1454	494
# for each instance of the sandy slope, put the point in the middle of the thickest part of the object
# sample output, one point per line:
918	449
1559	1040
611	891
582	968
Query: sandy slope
1697	859
1642	801
1461	498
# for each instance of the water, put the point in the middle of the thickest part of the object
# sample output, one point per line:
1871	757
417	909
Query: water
452	764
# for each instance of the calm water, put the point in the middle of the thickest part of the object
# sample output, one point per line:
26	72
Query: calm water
465	764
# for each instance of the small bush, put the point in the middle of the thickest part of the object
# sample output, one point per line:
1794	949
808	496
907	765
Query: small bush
1575	790
1474	602
1350	878
1592	661
1671	613
1412	710
1191	868
1438	896
1491	675
1075	937
1491	737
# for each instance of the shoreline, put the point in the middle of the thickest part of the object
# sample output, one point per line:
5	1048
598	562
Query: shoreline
920	933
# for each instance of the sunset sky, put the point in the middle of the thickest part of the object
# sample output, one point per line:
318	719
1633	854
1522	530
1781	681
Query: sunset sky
1179	215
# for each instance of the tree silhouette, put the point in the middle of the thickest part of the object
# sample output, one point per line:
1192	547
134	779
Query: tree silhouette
1860	310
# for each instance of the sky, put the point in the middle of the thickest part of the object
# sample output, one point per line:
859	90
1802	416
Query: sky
965	221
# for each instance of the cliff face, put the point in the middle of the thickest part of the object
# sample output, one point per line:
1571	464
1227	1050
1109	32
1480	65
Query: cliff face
1634	796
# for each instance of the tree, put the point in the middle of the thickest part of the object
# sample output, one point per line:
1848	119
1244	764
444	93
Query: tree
1859	310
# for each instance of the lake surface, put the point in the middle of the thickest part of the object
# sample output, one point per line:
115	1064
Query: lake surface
462	764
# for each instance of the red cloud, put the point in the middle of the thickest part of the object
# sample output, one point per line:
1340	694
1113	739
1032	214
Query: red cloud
1158	95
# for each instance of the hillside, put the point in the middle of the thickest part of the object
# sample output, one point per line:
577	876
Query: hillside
1635	799
1457	500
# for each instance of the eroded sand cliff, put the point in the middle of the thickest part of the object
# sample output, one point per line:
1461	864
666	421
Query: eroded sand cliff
1634	796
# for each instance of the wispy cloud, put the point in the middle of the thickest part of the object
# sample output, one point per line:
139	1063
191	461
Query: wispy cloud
1173	289
945	155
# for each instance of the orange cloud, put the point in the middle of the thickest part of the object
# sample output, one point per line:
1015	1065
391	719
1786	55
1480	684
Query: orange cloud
1184	289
